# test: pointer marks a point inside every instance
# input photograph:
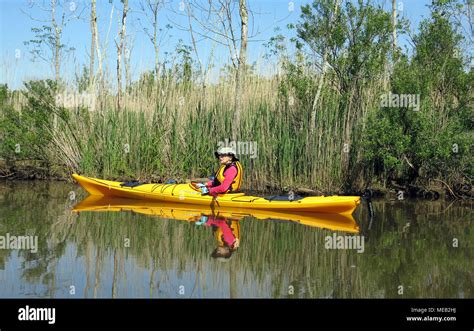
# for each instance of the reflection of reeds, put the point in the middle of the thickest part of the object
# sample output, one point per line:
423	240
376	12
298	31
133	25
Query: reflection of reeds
97	273
272	256
114	277
88	268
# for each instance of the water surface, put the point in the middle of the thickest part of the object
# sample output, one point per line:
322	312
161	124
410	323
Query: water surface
412	249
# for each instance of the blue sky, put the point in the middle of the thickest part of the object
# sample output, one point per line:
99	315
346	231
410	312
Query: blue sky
15	28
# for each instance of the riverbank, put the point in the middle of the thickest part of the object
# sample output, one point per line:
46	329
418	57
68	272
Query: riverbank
39	170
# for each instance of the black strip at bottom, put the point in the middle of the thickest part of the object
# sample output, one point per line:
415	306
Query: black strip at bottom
291	314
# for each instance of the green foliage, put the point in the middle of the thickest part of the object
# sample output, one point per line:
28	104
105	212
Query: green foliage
45	36
300	141
437	140
26	134
184	71
275	47
145	83
3	94
298	82
82	81
356	39
385	142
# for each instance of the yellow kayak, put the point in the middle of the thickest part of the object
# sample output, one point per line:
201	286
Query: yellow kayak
189	194
192	213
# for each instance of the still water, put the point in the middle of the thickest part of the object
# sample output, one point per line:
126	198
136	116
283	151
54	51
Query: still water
407	249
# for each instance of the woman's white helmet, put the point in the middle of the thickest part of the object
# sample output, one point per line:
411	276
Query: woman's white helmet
225	151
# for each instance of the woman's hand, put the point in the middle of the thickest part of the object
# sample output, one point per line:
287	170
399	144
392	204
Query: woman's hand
203	220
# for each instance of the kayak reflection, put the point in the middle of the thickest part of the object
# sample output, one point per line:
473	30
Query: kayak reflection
193	213
224	222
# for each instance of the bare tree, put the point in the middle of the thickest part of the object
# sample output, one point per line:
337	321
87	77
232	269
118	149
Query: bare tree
195	49
50	33
244	18
95	35
203	69
150	9
120	50
57	39
106	44
93	23
219	21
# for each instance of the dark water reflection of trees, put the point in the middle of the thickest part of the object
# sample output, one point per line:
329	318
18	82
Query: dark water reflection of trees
409	243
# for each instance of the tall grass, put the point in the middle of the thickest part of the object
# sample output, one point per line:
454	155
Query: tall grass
173	130
170	129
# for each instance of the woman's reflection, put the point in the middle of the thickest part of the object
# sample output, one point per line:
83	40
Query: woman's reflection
227	233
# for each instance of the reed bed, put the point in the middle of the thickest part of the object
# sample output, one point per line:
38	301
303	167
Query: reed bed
172	131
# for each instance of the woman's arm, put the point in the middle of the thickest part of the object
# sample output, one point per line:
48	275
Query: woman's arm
229	176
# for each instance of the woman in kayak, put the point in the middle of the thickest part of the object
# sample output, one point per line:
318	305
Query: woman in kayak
228	178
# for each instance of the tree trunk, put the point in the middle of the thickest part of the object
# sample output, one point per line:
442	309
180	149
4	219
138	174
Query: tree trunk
120	48
156	47
241	67
318	93
97	49
57	50
201	66
128	54
106	46
57	41
93	38
323	73
394	23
